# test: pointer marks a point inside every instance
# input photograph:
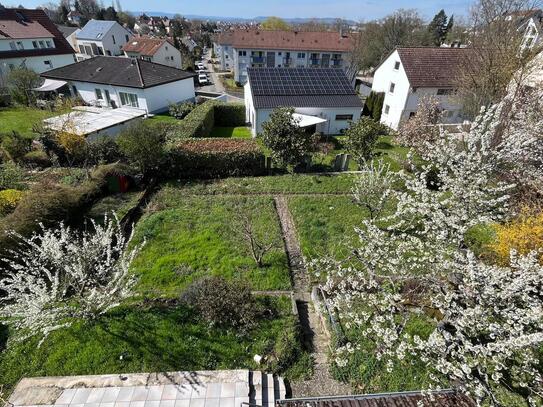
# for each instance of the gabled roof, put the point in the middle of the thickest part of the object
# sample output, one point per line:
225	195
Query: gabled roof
433	67
24	23
403	399
119	71
291	40
145	45
95	30
301	87
67	31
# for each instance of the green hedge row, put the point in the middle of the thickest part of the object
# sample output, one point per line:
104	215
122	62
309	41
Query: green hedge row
215	158
200	122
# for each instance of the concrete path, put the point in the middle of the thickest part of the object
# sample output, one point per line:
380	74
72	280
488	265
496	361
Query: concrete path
316	339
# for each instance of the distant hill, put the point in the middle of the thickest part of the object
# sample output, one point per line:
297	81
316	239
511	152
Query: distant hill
237	19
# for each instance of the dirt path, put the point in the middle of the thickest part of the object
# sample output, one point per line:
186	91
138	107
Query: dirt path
315	337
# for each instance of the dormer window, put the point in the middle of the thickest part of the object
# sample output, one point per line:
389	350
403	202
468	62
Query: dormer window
13	46
42	44
35	44
49	44
20	45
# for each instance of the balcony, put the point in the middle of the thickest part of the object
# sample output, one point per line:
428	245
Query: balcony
315	62
257	60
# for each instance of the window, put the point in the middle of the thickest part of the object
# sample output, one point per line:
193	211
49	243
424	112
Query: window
20	45
35	44
74	90
48	63
42	44
49	44
344	117
98	94
397	65
108	52
387	109
412	114
108	98
13	46
129	99
127	39
445	92
392	87
279	53
113	38
100	50
242	53
301	55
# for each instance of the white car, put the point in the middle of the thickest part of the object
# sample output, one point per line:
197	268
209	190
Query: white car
202	78
200	66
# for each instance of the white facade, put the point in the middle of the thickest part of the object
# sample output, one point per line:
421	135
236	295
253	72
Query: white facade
402	100
337	119
155	99
225	54
239	59
110	43
167	54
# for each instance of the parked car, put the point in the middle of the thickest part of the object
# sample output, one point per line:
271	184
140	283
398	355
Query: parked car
202	78
200	66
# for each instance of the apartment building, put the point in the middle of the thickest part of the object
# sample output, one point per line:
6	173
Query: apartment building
242	49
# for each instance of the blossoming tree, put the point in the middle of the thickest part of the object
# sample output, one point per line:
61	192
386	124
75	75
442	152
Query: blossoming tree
59	275
412	262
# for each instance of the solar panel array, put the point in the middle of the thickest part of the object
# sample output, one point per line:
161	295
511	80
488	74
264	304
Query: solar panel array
299	81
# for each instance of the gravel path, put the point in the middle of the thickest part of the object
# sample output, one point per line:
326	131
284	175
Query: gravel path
315	337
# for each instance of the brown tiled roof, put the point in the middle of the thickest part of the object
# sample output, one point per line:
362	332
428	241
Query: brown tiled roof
292	40
119	71
225	38
35	24
407	399
433	67
145	45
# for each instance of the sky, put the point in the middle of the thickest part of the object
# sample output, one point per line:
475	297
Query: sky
350	9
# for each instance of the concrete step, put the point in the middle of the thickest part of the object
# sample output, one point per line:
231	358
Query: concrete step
265	389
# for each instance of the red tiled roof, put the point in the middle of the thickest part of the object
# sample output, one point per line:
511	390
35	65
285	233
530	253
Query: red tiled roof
433	67
145	45
292	40
36	24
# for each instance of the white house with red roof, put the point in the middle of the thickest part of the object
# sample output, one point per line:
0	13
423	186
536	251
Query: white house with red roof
409	74
28	38
157	50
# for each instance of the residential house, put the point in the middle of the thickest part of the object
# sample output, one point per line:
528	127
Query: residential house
70	33
74	17
126	82
157	50
99	37
28	38
294	49
409	74
189	43
153	24
324	99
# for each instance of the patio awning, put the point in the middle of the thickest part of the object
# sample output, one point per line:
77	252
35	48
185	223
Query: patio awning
305	120
50	85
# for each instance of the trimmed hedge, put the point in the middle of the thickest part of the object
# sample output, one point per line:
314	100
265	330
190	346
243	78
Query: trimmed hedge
197	123
200	122
215	158
229	114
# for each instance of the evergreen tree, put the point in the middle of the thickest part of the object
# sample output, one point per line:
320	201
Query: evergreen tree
439	27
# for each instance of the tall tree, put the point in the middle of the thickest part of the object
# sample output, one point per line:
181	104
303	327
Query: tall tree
439	27
275	23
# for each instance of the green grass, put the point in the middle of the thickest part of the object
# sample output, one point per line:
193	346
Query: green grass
150	339
279	184
22	119
163	118
119	203
233	132
191	237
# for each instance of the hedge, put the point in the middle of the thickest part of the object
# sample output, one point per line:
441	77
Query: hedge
200	122
229	114
215	158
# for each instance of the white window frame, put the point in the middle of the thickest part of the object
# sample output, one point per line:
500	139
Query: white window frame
129	99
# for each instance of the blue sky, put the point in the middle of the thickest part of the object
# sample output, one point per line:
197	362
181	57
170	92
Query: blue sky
352	9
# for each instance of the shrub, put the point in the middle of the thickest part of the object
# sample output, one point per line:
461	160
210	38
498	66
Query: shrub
15	146
229	114
20	81
362	137
143	145
180	110
74	146
11	175
522	234
215	157
197	123
374	105
289	144
223	303
9	198
36	159
104	150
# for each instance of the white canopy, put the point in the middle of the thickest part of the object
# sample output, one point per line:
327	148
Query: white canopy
305	120
50	85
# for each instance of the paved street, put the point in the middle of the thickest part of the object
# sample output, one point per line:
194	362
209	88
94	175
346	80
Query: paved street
215	84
